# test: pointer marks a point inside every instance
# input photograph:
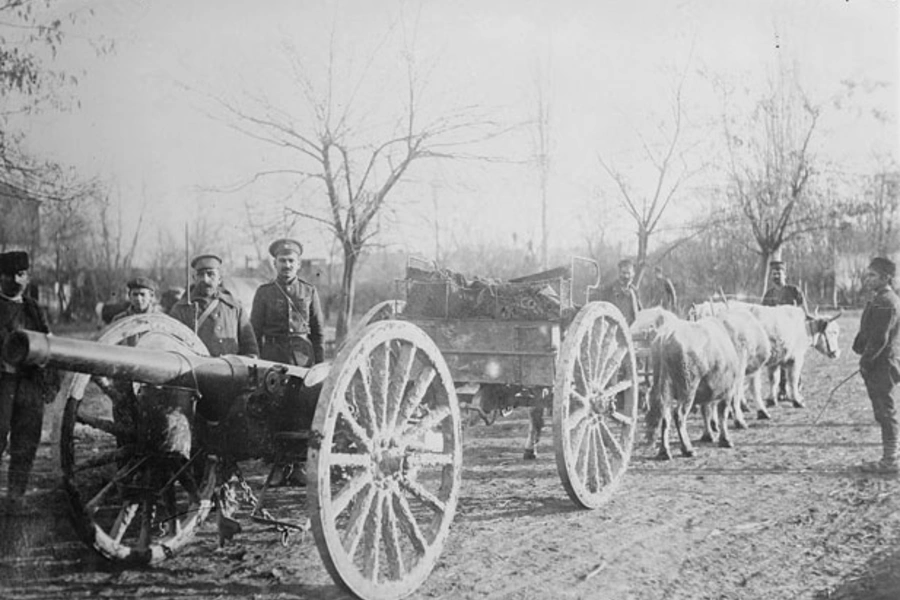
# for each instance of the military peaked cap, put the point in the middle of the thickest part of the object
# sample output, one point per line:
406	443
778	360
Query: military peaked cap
13	262
883	266
139	283
206	261
285	246
776	264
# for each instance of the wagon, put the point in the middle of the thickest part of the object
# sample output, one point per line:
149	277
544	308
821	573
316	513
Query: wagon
535	341
155	432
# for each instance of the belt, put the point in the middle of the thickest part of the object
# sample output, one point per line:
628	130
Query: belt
288	336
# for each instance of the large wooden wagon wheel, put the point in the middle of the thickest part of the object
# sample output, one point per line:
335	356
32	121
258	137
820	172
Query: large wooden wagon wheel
131	504
385	461
595	404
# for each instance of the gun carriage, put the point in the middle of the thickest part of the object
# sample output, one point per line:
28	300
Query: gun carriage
153	427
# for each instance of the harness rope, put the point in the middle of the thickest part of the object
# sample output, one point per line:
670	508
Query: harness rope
831	395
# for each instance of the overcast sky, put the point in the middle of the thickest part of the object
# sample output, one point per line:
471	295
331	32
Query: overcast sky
143	120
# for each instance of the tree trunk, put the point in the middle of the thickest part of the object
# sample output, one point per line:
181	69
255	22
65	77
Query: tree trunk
348	292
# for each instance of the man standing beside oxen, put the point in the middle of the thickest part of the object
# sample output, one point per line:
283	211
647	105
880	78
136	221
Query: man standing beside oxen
287	319
878	344
622	292
23	390
662	291
782	293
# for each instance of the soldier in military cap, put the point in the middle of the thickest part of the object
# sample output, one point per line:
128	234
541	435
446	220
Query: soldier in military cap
213	313
141	298
287	319
878	346
286	314
23	390
782	292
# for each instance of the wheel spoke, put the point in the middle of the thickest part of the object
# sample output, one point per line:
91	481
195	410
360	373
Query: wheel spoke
409	525
356	429
618	388
607	466
382	374
105	425
405	363
581	398
612	440
576	417
356	523
598	355
416	394
427	424
428	459
369	402
393	550
593	481
372	546
123	520
612	367
105	458
350	491
620	418
344	459
432	501
582	449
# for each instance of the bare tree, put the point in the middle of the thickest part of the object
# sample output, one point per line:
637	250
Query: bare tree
335	153
668	160
541	148
770	165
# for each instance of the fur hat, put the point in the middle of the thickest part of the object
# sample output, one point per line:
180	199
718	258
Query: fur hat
13	262
883	266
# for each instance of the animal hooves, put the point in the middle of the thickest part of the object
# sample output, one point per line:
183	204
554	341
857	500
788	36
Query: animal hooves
529	455
688	453
723	443
770	402
799	404
762	415
706	438
664	456
740	424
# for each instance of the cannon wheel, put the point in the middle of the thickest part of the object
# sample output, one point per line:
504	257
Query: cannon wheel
595	404
133	509
385	461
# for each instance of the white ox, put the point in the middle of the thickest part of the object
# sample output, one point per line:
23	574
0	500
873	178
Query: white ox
791	331
692	362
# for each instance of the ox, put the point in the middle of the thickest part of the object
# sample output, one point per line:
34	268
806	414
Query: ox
791	331
692	362
754	349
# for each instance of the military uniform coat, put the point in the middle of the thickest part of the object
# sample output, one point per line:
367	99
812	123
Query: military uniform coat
287	319
786	294
226	330
23	392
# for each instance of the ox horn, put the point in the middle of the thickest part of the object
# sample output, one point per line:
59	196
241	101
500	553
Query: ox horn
837	316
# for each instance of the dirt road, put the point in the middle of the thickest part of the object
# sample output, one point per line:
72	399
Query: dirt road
782	515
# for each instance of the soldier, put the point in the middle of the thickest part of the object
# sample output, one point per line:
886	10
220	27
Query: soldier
622	292
287	319
213	313
878	344
286	314
141	298
780	293
23	390
224	327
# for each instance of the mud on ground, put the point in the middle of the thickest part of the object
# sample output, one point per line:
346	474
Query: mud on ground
782	515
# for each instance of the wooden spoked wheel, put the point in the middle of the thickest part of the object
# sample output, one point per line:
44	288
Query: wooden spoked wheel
133	504
595	404
382	311
385	461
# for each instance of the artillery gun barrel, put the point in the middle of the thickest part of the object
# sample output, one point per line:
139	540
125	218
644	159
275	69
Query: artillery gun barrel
156	367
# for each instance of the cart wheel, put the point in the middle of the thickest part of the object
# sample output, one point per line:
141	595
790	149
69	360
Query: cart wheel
134	508
385	461
594	404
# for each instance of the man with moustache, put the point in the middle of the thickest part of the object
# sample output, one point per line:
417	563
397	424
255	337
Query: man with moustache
622	292
287	319
23	390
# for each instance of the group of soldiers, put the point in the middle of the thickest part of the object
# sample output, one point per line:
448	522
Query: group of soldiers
284	325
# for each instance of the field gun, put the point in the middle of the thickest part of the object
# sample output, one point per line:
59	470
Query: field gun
152	425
